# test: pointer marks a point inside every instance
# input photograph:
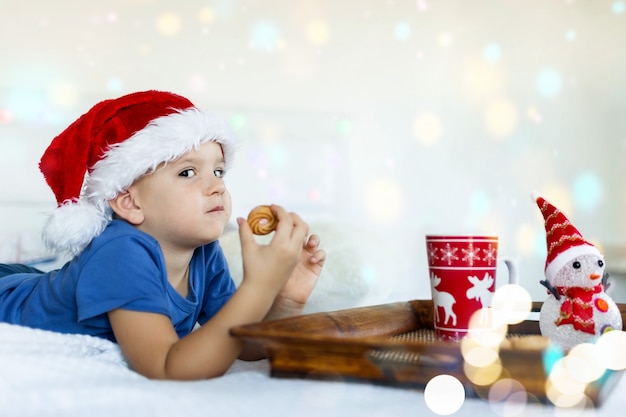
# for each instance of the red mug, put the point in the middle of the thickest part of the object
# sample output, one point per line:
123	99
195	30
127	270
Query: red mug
462	273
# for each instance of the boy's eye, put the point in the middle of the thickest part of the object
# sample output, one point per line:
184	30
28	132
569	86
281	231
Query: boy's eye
187	173
219	173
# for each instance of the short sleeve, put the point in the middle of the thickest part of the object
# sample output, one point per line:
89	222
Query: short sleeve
219	285
127	272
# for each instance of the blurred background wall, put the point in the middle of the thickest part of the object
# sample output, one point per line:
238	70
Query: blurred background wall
377	120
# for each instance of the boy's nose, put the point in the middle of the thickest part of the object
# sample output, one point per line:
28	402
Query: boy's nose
215	185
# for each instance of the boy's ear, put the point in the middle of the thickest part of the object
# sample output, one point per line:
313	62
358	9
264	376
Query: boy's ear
125	207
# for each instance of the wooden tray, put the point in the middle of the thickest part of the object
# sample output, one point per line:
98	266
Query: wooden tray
393	344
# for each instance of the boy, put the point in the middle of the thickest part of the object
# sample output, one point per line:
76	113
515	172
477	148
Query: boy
142	202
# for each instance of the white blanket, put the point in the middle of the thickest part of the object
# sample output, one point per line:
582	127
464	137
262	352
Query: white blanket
50	374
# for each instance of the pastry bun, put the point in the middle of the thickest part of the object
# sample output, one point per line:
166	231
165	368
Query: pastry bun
256	216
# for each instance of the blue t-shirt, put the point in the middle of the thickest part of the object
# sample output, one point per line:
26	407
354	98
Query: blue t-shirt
121	268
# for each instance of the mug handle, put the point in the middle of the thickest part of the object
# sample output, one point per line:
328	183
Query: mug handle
511	267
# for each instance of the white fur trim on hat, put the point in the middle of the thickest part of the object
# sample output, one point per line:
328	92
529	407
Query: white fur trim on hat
73	225
568	255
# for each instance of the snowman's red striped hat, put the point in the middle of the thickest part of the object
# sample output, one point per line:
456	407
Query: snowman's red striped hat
116	142
564	241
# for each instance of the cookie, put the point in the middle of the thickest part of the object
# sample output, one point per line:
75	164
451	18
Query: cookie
262	220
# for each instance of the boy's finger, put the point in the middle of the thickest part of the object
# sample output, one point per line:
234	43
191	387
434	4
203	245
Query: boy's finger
245	232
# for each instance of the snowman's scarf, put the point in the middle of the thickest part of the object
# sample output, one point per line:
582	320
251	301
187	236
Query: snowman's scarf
577	308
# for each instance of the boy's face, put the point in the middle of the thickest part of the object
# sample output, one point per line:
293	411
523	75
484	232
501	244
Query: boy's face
185	204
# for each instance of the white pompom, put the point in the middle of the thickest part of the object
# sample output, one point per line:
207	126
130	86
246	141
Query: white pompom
535	195
72	226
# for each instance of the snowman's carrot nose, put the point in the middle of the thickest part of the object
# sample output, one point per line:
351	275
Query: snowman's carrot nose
594	276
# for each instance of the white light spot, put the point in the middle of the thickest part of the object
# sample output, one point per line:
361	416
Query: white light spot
512	303
444	395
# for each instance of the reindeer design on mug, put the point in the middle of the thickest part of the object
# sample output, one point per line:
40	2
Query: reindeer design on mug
479	291
444	300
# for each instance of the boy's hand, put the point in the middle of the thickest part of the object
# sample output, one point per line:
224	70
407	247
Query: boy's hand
306	273
294	295
270	266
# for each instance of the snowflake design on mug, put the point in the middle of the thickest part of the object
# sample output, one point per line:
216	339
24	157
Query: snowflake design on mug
471	254
449	254
490	254
432	253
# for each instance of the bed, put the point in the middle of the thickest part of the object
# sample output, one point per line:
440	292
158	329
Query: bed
47	374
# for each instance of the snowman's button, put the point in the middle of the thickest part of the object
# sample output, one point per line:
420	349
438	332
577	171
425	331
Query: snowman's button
606	328
602	305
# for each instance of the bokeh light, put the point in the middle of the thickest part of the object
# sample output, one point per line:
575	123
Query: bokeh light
369	274
446	39
571	35
484	81
265	36
427	128
25	105
501	117
238	121
483	375
197	82
525	242
278	156
384	201
570	374
611	347
344	127
511	303
583	363
486	328
551	356
318	32
168	24
444	395
618	7
534	115
479	203
549	82
587	191
402	31
492	52
562	389
541	246
269	133
115	86
5	116
478	355
63	94
206	15
314	195
508	398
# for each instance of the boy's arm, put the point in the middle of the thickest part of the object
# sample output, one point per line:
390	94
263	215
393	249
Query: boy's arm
152	347
150	343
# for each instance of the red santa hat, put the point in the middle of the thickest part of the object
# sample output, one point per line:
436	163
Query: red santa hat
564	241
116	142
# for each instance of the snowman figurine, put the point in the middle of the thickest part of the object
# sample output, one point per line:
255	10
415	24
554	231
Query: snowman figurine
577	309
